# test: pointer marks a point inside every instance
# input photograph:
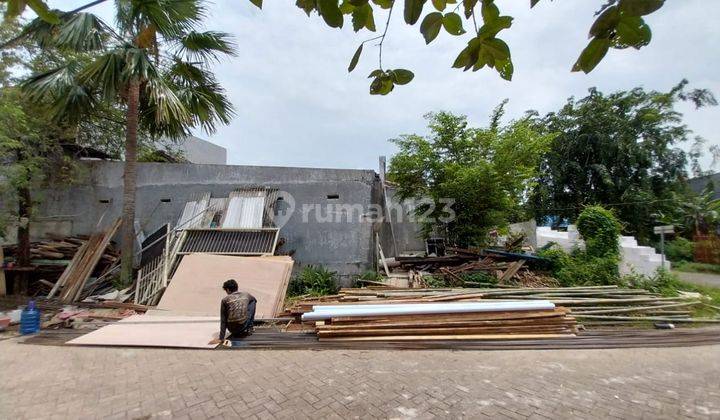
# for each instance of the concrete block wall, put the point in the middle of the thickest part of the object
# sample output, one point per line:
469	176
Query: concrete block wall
340	237
635	258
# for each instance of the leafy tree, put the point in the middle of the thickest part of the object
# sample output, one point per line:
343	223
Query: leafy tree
153	64
619	150
486	171
619	25
696	214
30	144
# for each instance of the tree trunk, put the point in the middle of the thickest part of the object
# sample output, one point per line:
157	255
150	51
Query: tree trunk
23	236
129	184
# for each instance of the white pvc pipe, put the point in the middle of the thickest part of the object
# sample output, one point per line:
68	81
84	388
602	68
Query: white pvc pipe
330	311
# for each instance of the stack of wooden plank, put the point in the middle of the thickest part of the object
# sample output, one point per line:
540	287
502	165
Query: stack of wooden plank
593	305
444	321
71	283
53	255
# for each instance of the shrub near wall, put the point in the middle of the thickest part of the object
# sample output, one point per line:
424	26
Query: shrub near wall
597	264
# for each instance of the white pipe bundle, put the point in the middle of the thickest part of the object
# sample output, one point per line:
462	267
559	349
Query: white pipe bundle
321	312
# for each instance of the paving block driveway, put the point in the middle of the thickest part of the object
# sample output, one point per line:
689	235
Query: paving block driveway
75	382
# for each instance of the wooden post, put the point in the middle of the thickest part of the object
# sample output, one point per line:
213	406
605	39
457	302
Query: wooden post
3	286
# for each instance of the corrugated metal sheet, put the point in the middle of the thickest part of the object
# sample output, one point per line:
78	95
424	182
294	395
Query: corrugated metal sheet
230	241
194	211
245	209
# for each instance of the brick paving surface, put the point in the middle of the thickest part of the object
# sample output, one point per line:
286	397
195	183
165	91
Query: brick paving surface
71	382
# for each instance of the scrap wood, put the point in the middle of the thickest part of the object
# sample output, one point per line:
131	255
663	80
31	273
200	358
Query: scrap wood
83	264
511	270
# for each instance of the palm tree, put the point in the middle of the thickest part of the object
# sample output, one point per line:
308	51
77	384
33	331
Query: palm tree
154	62
698	213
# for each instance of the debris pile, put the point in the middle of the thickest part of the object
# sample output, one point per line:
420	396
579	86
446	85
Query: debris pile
50	258
591	305
467	267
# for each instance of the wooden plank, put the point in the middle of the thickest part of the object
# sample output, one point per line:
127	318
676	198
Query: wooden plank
69	269
511	270
155	331
450	337
96	248
196	287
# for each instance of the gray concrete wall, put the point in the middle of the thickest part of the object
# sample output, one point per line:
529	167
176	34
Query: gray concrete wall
343	245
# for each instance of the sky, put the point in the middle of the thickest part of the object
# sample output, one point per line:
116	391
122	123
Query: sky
296	104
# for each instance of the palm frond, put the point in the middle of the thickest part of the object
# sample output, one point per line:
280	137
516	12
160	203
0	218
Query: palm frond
166	106
106	73
40	32
138	64
171	18
206	46
43	86
202	94
83	32
73	104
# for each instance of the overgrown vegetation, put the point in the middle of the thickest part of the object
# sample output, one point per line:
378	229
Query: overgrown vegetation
695	267
468	180
313	281
597	264
623	149
679	249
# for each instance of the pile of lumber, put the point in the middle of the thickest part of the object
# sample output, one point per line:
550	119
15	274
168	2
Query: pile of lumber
50	258
55	254
441	321
70	286
591	305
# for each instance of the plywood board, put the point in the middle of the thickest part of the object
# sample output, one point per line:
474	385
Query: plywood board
196	287
155	331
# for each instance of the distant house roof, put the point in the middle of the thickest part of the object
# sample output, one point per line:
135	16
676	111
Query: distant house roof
700	183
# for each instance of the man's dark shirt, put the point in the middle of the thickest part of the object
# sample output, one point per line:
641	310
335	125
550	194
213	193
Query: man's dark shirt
234	311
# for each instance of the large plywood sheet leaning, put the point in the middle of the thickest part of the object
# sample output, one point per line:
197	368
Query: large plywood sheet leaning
155	331
196	287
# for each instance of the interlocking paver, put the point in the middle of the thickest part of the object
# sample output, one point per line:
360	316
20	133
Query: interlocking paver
72	382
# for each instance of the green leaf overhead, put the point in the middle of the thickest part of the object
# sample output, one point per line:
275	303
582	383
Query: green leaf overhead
439	5
453	24
413	10
490	12
640	7
330	12
401	76
430	26
632	31
498	48
468	6
606	22
592	55
257	3
43	11
355	58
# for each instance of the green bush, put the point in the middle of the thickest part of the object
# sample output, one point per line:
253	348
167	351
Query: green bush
679	249
579	268
435	282
664	282
314	281
600	230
